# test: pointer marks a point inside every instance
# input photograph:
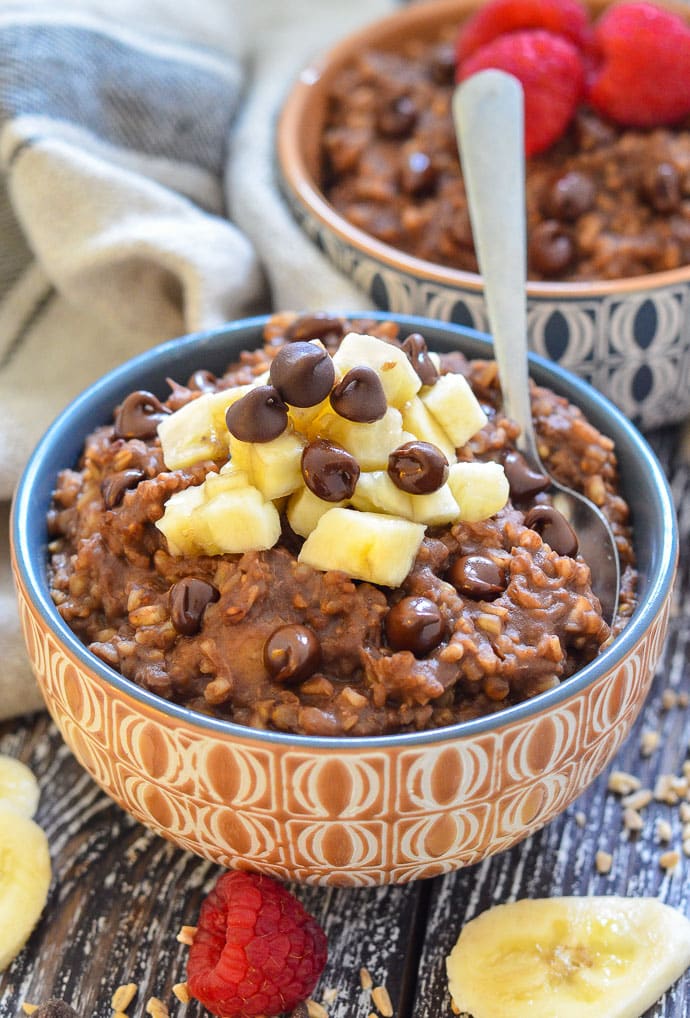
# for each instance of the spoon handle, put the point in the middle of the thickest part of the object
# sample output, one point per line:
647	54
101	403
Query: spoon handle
489	120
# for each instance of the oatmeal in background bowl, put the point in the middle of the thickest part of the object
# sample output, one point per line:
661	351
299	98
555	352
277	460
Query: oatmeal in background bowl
293	628
369	165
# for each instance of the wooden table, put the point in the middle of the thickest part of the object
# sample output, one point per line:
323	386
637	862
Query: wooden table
120	893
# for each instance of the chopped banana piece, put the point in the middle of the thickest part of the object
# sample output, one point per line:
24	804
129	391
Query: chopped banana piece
240	520
197	431
181	525
24	880
399	379
376	492
370	444
367	546
424	426
456	408
305	509
276	465
577	957
480	489
18	786
436	508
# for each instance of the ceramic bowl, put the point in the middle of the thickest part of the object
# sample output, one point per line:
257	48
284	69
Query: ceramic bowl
629	337
355	811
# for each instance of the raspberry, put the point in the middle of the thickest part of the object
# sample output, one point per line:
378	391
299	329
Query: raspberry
563	17
551	72
643	78
256	950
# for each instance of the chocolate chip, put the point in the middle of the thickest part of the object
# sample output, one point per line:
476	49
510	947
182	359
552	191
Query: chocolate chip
359	396
259	416
292	653
202	381
397	118
189	599
551	247
329	471
303	373
418	355
418	467
417	176
661	187
553	528
139	415
477	577
570	196
114	487
415	624
523	480
316	326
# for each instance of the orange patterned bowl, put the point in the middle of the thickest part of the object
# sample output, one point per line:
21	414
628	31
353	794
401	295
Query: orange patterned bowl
355	811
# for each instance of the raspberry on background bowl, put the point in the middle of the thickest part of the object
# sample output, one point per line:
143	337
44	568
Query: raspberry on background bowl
367	810
629	337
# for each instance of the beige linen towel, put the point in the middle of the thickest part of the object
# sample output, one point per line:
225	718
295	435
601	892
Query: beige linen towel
138	200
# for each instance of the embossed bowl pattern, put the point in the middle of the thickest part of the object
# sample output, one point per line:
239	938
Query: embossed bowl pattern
337	811
630	338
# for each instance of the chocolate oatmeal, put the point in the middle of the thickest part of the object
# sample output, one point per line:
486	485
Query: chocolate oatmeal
489	611
604	202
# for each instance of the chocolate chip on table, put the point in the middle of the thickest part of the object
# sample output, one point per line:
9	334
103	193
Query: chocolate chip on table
477	577
139	415
661	187
292	653
189	599
414	624
259	416
329	471
303	373
418	355
553	528
417	174
418	467
570	196
114	487
316	326
202	381
551	247
397	117
359	396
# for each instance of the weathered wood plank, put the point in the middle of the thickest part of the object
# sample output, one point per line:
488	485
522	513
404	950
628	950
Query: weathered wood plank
561	858
120	894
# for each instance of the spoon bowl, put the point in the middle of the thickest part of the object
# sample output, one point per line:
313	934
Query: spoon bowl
488	112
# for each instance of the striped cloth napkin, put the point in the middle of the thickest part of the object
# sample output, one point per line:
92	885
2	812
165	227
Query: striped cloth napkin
138	200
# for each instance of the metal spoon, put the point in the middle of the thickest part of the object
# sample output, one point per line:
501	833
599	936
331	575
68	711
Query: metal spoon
488	111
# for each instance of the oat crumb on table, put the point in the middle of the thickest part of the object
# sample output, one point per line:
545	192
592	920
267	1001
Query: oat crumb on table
365	980
637	800
632	821
649	742
603	862
181	991
156	1008
663	830
316	1010
123	996
382	1001
669	860
623	783
186	935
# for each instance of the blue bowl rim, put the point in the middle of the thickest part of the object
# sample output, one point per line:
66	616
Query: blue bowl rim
31	562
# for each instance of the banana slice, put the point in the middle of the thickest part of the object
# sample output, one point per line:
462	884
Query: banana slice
18	786
24	880
568	958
